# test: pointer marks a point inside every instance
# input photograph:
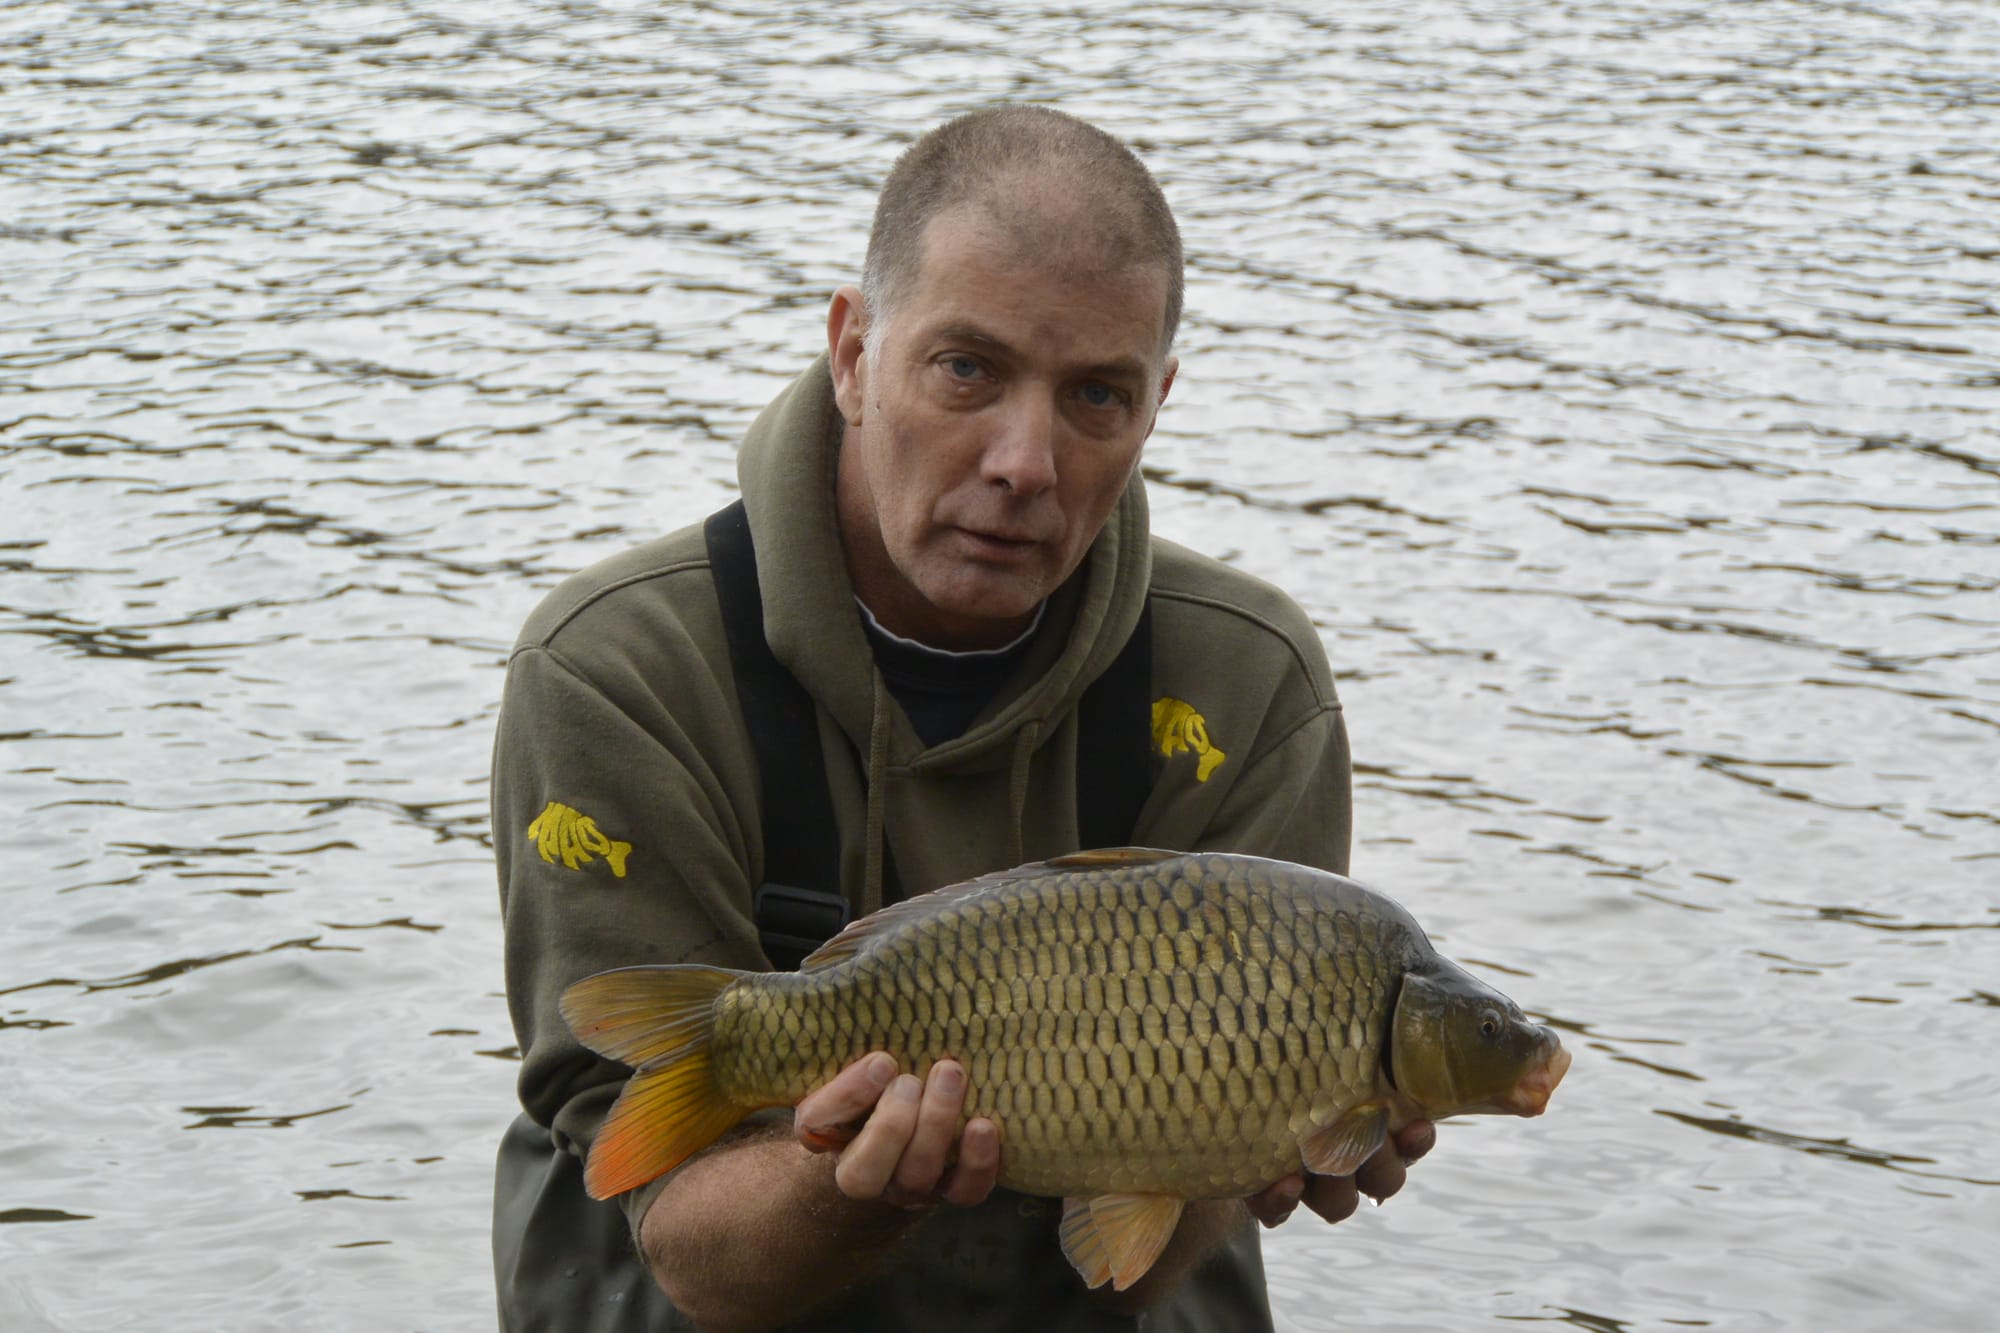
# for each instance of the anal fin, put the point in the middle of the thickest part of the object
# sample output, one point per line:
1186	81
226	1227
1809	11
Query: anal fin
1341	1148
1116	1237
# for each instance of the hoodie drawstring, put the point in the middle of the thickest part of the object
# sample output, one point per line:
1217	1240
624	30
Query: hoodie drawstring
1017	784
875	845
878	757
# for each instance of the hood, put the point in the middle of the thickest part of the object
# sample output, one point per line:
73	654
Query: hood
787	468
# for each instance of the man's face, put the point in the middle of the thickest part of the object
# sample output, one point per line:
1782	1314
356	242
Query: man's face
992	430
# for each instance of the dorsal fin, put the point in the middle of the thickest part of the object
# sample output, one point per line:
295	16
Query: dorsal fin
854	940
1104	858
855	937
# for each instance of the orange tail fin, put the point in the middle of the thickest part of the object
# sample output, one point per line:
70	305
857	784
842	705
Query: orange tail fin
659	1020
664	1116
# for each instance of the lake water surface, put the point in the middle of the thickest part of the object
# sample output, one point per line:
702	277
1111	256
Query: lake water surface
1616	385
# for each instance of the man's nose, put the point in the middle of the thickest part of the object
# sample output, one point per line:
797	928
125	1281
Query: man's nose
1022	454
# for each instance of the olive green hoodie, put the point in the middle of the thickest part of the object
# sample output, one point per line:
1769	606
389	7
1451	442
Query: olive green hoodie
627	831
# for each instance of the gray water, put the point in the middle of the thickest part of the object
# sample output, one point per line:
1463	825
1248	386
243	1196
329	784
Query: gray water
1616	386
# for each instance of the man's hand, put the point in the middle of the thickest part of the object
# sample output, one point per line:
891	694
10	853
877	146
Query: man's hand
754	1233
896	1138
1336	1197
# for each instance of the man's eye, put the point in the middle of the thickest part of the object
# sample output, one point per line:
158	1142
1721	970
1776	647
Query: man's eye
962	367
1100	395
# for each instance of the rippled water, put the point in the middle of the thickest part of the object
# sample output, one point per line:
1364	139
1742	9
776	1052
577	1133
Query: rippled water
1616	385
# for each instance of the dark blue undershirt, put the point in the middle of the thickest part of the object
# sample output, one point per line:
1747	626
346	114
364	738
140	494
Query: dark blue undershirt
942	692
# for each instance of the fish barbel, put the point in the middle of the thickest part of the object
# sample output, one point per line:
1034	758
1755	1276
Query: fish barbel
1144	1027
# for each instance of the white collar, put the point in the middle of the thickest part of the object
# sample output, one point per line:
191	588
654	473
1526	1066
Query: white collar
973	653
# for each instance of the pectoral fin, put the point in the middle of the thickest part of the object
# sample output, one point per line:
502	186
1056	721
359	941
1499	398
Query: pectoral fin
1116	1237
1340	1148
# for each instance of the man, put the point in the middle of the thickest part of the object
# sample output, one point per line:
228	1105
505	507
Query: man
950	537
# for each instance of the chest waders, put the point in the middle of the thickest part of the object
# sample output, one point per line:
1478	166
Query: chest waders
566	1262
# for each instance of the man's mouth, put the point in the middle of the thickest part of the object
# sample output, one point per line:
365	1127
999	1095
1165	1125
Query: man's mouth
1000	541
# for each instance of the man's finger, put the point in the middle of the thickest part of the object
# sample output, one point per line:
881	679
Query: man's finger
978	1169
1275	1202
867	1164
831	1114
1415	1139
923	1161
1382	1174
1334	1198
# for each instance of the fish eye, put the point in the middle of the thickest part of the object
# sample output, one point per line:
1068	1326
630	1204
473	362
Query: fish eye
1489	1023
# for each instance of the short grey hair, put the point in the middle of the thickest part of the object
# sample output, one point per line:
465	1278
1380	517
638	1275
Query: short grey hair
962	160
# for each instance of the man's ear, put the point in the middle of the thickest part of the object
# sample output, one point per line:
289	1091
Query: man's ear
1166	386
846	323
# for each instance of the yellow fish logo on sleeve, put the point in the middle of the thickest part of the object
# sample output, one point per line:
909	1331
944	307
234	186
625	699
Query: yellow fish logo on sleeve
1176	727
560	831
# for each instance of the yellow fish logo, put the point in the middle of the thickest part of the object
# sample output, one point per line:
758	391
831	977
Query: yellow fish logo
574	836
1177	727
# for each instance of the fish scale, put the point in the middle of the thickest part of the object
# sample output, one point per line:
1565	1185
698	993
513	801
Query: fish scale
1143	1027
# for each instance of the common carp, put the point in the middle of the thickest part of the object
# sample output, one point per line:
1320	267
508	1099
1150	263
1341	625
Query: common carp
1145	1028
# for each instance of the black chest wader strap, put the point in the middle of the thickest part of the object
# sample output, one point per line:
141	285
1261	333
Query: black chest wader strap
800	905
1114	743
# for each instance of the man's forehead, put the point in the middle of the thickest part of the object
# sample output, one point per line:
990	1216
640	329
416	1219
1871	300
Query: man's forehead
976	272
1040	222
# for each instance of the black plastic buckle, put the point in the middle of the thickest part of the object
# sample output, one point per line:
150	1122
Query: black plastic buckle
792	922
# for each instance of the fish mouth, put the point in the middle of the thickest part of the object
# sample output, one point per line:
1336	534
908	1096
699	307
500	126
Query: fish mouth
1531	1095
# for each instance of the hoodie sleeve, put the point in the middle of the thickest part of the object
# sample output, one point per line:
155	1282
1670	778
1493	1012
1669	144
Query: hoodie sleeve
617	845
